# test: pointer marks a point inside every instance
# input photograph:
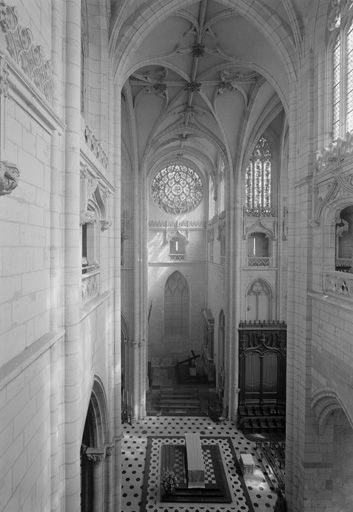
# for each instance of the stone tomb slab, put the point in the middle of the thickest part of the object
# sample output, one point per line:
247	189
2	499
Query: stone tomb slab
224	483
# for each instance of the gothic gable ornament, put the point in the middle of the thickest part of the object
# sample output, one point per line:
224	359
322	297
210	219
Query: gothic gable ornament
24	52
9	175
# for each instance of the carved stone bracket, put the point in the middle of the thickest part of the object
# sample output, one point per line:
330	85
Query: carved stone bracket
95	454
109	449
25	53
87	217
9	175
105	224
230	81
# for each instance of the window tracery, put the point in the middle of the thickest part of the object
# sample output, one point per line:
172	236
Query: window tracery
258	180
177	189
341	51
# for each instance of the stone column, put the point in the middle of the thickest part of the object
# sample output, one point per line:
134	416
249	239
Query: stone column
232	283
115	99
73	352
96	456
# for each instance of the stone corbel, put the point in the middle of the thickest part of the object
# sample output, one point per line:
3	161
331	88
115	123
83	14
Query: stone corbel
109	449
95	454
87	217
105	224
9	175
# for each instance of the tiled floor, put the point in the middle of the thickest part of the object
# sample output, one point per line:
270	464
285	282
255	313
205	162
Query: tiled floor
261	490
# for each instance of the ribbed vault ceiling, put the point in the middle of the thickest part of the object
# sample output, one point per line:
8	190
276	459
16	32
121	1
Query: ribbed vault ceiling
205	83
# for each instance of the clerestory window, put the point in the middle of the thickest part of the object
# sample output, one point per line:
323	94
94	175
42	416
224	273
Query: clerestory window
258	180
341	52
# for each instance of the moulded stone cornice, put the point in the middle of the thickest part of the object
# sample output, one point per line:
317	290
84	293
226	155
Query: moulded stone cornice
9	175
15	85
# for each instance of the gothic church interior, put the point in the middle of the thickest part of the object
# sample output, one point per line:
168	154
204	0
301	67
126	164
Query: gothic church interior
176	244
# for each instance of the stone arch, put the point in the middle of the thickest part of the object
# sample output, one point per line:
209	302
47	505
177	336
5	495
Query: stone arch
324	403
258	300
93	450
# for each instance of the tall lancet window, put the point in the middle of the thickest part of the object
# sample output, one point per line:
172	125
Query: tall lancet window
176	309
349	79
336	87
341	54
258	180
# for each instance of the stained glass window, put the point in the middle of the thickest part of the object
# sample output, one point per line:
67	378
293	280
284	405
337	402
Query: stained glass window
342	81
336	90
177	189
349	98
258	180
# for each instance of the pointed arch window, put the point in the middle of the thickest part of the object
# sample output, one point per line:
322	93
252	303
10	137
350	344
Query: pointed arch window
341	51
258	180
176	308
336	87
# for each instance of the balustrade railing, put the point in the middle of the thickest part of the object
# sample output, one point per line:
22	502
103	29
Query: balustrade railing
344	264
259	261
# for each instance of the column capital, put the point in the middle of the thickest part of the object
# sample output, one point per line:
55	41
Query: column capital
94	454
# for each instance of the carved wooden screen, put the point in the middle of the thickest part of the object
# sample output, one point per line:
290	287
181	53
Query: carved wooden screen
262	362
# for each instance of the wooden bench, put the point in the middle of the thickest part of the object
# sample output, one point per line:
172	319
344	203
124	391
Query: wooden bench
195	463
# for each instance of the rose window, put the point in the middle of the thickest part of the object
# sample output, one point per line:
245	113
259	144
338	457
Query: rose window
177	189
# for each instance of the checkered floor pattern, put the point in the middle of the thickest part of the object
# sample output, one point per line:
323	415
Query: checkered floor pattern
261	489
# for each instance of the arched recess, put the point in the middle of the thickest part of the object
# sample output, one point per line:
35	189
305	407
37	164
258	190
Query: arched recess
335	441
221	352
176	309
94	450
324	403
258	301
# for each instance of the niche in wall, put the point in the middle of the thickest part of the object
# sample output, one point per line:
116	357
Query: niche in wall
344	240
176	309
258	301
